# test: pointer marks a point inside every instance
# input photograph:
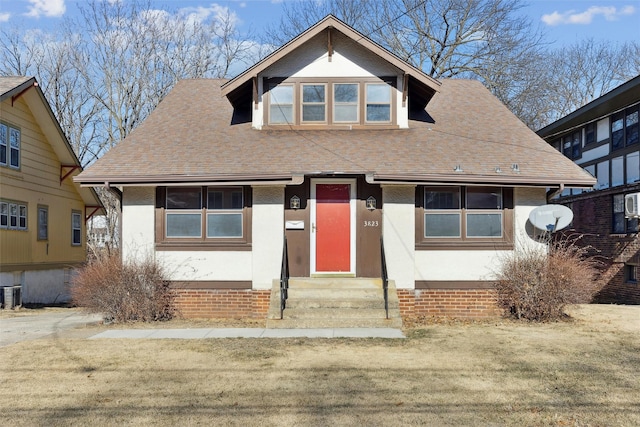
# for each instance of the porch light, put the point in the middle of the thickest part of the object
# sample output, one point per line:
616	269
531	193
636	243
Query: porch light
515	167
294	203
371	203
498	169
458	168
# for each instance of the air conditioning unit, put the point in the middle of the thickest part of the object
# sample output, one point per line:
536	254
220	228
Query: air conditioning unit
632	205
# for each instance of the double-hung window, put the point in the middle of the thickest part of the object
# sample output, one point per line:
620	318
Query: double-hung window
345	103
473	216
572	145
625	128
378	102
442	213
484	212
76	228
224	212
281	104
184	212
43	223
314	108
203	214
9	146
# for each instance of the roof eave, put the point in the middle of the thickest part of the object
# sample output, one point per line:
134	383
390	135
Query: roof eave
181	180
453	179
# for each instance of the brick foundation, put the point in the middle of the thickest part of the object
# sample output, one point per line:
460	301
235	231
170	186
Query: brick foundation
458	303
222	303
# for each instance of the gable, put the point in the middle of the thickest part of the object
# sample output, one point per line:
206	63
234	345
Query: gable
45	148
330	33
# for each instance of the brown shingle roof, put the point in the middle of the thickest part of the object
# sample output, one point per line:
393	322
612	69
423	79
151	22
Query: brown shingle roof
189	137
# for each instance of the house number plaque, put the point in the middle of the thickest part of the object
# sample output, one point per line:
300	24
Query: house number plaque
370	223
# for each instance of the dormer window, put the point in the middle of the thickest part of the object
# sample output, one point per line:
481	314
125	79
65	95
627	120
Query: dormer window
281	104
345	103
314	107
378	102
333	103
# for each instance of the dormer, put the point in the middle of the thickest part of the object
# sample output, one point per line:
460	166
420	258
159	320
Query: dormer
330	77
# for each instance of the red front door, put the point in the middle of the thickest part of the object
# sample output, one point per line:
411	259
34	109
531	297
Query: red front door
333	228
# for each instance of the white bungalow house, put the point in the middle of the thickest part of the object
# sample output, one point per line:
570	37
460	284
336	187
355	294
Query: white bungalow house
335	143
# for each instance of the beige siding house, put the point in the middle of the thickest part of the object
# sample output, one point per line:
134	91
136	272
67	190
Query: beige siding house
334	143
42	211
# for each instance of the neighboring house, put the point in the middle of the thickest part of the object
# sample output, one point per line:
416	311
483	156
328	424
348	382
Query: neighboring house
334	142
42	211
603	138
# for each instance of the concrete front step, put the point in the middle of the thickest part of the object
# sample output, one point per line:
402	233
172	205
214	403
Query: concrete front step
357	303
333	323
334	283
334	313
334	303
335	293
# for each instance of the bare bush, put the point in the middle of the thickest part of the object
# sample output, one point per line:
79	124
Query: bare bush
123	292
537	285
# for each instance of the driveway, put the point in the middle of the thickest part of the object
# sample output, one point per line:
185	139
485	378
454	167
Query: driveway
33	324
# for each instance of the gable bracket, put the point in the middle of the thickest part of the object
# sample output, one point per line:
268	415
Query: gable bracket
405	89
19	94
93	209
71	168
329	44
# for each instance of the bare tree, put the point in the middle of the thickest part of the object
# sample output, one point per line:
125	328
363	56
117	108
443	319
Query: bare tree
104	72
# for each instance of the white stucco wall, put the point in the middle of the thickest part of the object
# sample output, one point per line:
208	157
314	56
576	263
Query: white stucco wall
398	230
267	235
526	200
206	265
138	223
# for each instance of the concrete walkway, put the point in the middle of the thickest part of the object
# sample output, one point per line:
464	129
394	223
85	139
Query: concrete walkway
209	333
23	327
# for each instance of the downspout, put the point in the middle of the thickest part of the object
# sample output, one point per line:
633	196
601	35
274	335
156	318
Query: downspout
553	193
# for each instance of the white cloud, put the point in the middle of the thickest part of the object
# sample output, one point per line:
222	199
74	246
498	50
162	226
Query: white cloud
610	13
4	17
215	11
50	8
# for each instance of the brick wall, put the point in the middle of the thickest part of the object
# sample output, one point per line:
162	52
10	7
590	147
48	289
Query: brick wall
459	303
222	303
593	218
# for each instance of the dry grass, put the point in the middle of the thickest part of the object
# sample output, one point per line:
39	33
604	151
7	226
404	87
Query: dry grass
577	373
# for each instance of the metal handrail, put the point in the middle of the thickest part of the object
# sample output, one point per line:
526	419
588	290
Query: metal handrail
284	278
385	278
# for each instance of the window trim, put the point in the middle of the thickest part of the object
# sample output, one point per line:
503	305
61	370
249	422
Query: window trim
336	104
273	85
45	209
203	242
367	103
325	104
75	214
8	130
465	242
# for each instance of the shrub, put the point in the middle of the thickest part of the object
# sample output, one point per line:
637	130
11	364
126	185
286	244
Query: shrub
123	292
537	285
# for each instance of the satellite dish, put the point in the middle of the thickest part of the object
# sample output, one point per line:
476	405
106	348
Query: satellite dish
551	218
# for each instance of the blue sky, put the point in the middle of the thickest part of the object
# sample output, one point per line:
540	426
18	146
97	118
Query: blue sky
565	21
